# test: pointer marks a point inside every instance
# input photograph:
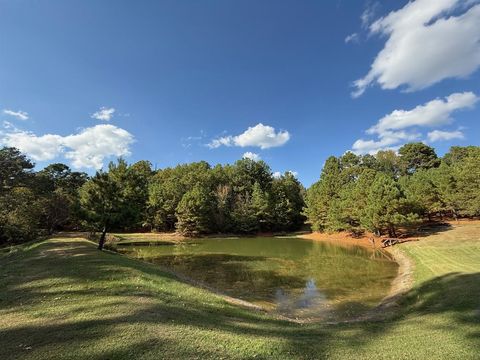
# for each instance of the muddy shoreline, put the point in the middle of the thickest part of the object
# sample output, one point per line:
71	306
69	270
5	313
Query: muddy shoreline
388	306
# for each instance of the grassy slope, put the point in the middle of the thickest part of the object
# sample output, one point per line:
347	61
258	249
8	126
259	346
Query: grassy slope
63	299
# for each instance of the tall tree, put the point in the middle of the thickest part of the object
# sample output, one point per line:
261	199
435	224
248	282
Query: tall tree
261	208
414	156
194	212
321	196
102	202
20	215
288	198
422	193
386	207
467	176
15	169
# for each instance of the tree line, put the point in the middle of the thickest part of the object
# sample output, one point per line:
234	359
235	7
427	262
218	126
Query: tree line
379	193
193	199
387	191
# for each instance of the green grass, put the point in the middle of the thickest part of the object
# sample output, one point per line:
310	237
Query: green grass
63	299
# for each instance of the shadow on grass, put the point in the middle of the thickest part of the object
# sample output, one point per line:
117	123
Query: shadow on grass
87	304
432	228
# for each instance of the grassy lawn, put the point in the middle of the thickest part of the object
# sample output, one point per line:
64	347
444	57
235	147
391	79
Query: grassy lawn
63	299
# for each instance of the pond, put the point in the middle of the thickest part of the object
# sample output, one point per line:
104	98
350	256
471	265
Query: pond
293	277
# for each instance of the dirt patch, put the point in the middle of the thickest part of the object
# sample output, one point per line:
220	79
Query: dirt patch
345	239
464	222
400	285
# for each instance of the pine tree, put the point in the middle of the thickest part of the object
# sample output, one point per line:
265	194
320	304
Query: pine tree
102	202
467	176
386	208
322	194
194	212
422	192
261	208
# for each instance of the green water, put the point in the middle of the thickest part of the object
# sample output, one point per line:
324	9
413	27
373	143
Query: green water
289	276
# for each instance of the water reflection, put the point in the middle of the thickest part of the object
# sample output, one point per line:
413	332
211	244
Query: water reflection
311	303
293	277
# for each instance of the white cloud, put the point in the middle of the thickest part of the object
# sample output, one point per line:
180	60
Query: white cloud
92	145
389	140
278	174
252	156
433	113
21	115
352	38
369	13
438	135
86	149
262	136
391	128
40	148
425	44
104	114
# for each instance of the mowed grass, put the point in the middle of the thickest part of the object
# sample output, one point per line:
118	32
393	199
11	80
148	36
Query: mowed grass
63	299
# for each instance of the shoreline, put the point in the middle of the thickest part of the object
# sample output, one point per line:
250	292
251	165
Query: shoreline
387	307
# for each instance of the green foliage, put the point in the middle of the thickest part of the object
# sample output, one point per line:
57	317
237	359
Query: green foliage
15	169
101	201
467	177
421	191
324	195
287	203
20	214
386	207
244	197
194	212
458	153
261	209
372	192
385	191
416	156
32	203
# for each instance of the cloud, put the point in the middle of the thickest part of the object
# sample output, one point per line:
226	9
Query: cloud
388	140
40	148
425	44
86	149
369	13
438	135
92	145
21	115
434	113
262	136
391	129
187	142
278	174
104	114
252	156
352	38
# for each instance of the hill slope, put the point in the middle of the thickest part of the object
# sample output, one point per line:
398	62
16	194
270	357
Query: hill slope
63	299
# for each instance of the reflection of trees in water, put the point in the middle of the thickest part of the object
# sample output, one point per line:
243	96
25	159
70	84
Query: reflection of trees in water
351	278
312	302
318	279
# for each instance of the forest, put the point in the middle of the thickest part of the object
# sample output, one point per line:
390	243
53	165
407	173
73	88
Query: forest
378	193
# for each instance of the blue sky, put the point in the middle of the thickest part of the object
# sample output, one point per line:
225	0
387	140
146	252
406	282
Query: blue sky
291	82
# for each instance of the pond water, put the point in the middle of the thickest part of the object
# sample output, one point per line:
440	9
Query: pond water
290	276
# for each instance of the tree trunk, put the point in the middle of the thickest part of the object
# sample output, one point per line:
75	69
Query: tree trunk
102	238
391	231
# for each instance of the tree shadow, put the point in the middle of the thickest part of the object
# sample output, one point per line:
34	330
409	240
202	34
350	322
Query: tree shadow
432	228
